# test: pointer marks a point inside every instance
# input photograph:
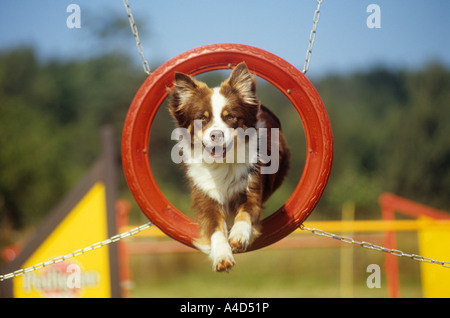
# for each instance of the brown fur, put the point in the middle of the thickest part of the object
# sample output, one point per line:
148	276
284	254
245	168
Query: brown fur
189	100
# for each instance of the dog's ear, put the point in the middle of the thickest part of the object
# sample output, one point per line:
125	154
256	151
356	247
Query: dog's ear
242	81
182	91
184	82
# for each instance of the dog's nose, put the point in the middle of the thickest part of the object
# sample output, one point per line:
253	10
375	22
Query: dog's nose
216	135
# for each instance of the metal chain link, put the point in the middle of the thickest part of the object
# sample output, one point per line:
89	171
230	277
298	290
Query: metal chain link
134	29
312	37
92	247
395	252
138	229
146	66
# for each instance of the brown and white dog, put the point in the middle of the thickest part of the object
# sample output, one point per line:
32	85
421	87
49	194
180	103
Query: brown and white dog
228	193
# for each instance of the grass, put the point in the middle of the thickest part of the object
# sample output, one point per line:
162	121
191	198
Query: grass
298	273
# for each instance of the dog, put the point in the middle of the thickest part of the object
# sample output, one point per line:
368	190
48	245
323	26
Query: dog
228	194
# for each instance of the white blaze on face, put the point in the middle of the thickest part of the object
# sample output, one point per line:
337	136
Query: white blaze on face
218	102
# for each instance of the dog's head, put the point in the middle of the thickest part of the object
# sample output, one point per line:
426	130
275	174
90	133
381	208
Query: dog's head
212	116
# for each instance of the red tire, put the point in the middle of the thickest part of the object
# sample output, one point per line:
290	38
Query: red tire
288	79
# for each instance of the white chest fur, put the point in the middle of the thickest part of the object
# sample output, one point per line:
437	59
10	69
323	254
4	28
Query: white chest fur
221	181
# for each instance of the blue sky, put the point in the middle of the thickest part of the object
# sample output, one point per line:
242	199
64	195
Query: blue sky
412	33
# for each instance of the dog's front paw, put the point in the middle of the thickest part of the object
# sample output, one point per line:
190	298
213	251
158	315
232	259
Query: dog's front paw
221	254
223	263
222	258
239	237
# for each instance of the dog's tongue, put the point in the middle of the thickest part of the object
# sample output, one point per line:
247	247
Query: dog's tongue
219	154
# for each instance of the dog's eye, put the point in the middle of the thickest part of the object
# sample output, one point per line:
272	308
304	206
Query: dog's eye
229	117
203	118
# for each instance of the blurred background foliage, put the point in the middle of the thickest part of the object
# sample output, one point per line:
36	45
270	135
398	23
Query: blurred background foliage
391	131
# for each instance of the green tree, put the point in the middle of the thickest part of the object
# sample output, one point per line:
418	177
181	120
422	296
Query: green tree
391	131
50	118
416	161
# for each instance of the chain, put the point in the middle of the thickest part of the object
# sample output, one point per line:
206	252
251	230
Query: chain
395	252
92	247
138	229
312	37
134	29
140	48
